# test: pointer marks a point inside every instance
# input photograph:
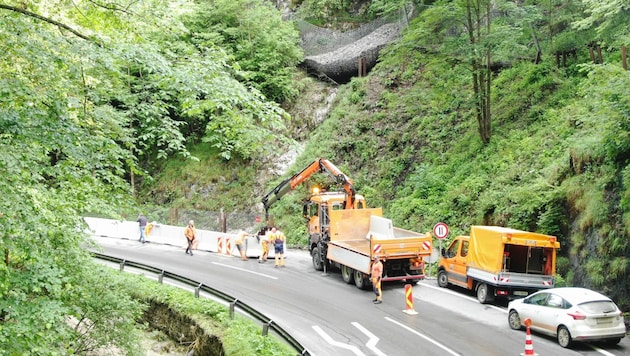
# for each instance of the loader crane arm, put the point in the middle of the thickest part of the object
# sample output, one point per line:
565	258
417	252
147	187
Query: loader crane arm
319	165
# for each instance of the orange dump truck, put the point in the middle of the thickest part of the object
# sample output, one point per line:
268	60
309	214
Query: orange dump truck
357	235
344	233
499	262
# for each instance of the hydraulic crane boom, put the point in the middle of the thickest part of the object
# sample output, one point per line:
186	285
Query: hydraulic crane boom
319	165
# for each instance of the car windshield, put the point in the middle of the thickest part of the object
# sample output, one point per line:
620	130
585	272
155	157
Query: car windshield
600	306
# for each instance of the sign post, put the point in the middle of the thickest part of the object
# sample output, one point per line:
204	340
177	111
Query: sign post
440	231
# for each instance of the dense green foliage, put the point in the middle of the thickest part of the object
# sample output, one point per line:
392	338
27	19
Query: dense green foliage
557	159
95	94
238	335
92	96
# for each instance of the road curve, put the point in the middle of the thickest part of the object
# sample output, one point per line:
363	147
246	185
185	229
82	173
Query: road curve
330	317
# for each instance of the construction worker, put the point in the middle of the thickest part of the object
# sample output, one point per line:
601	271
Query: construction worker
149	228
191	236
377	274
278	247
264	244
239	242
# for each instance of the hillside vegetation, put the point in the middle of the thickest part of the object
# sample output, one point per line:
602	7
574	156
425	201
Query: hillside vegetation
484	112
556	159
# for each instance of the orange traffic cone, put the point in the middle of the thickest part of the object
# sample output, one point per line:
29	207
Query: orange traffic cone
529	346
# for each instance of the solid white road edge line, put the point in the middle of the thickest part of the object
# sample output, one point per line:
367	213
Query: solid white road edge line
330	341
601	351
244	270
423	336
445	290
371	344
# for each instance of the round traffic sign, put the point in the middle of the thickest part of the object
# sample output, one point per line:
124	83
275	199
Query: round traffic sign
440	230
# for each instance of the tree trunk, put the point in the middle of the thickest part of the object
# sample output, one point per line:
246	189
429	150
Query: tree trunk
481	73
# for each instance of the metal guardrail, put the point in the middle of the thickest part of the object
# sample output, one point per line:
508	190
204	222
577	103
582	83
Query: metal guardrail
266	322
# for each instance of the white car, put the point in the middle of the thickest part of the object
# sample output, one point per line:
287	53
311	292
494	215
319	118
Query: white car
570	314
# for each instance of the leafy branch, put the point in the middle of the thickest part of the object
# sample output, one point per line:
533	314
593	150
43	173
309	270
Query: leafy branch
50	21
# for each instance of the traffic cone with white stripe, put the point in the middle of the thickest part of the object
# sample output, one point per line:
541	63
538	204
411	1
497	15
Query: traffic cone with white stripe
529	346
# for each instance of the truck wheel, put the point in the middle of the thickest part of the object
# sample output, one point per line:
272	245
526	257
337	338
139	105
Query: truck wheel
483	293
318	264
360	280
442	279
347	274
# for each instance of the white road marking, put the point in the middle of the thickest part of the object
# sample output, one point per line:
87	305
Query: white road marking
371	344
604	352
423	336
342	345
446	290
245	270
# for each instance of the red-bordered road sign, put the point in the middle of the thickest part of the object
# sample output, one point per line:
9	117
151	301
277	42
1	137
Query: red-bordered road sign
440	230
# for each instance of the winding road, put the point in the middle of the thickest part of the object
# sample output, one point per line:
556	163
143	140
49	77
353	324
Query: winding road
330	317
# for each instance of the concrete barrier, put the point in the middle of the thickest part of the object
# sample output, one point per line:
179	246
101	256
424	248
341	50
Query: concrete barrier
174	236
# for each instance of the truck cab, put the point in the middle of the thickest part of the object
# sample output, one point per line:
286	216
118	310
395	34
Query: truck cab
316	211
454	262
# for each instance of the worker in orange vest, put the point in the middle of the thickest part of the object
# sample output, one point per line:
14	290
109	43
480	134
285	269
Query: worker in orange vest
191	236
278	247
239	242
377	274
264	245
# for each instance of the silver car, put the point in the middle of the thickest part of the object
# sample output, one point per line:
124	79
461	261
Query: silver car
570	314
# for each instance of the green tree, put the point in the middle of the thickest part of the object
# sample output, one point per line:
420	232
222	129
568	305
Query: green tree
263	46
89	94
609	18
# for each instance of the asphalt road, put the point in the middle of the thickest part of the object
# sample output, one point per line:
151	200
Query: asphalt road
330	317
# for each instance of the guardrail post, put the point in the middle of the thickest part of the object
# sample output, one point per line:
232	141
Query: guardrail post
232	304
122	265
197	290
161	277
265	329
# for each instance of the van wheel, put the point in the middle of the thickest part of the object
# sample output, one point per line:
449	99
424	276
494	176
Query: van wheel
442	279
483	293
347	274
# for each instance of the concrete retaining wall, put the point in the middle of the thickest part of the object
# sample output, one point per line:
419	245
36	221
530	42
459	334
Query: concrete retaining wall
211	241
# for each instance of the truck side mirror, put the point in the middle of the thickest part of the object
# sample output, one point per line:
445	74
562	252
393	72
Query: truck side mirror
443	252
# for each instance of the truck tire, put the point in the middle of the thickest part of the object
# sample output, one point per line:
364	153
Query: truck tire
360	280
318	264
442	279
484	293
347	274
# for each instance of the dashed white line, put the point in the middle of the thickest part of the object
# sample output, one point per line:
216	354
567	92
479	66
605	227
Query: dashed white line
423	336
245	270
601	351
445	290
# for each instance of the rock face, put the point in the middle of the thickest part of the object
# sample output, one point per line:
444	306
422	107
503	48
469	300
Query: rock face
342	63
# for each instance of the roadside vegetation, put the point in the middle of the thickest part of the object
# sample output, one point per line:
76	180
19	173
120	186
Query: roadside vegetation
107	108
